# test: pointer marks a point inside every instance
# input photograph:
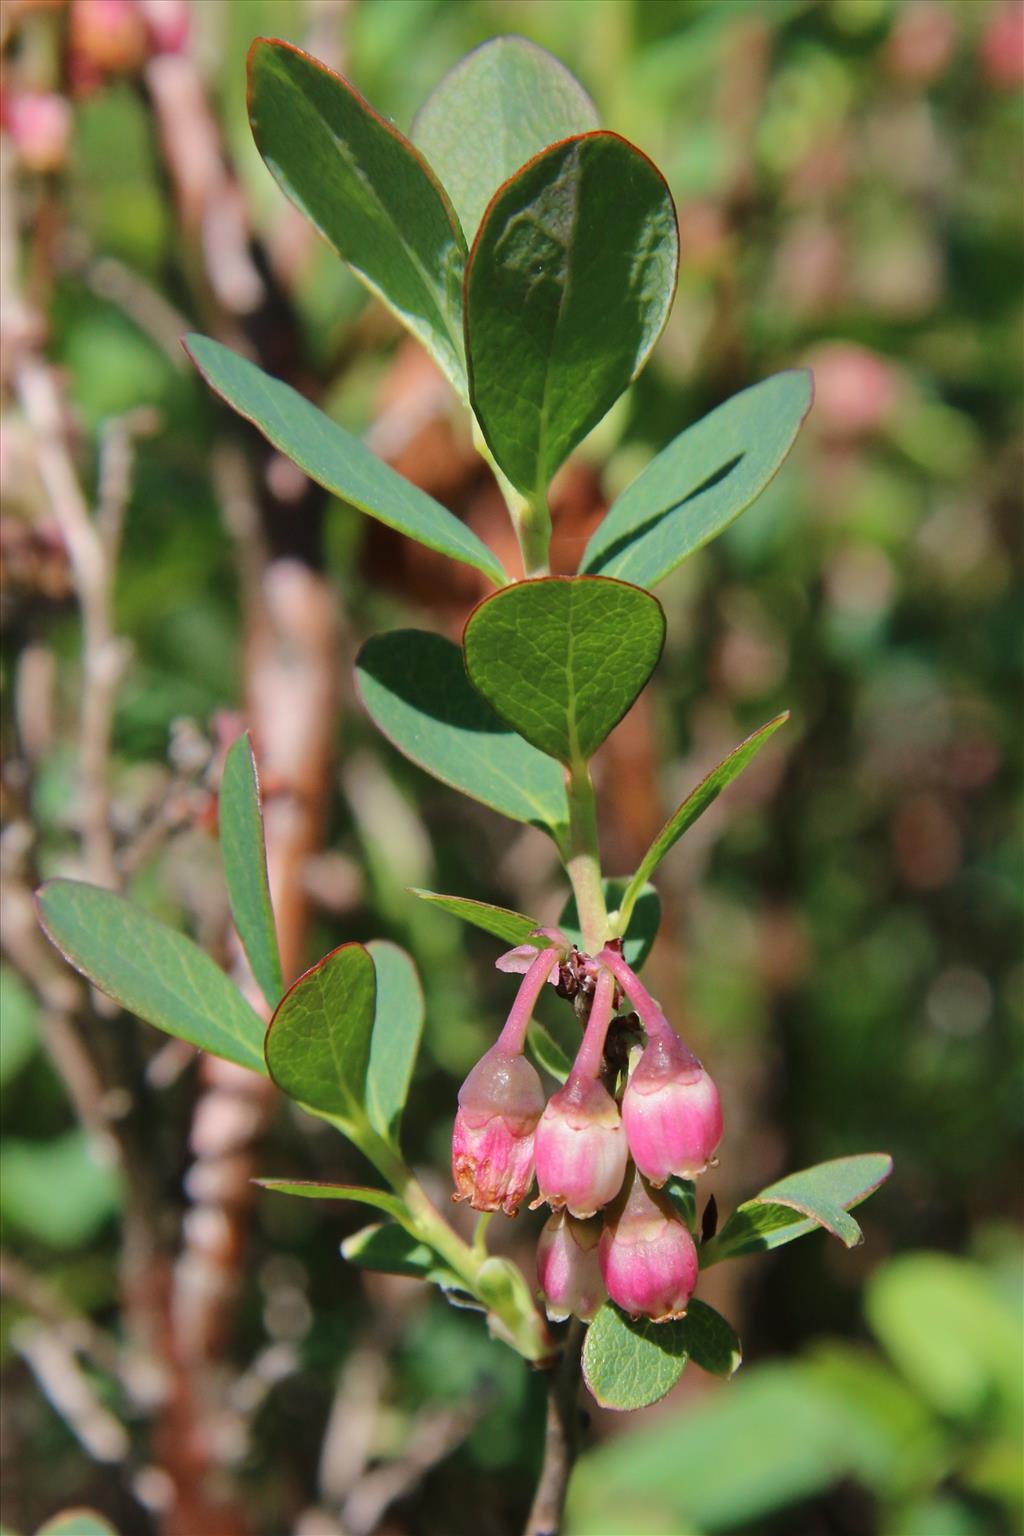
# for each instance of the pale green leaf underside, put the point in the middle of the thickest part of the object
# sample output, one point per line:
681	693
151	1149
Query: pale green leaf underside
562	658
151	970
511	927
367	190
815	1197
335	459
397	1027
244	856
497	108
696	803
415	689
392	1250
318	1043
704	479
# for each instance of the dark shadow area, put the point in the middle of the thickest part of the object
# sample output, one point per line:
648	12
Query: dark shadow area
633	534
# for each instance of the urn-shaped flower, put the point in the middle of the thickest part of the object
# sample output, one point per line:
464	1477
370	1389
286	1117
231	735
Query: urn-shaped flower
580	1147
648	1258
492	1144
671	1111
568	1268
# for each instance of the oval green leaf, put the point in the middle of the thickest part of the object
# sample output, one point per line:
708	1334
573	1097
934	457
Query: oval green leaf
569	284
244	856
152	971
695	804
415	689
511	927
397	1027
800	1203
335	459
641	931
701	482
562	658
318	1042
628	1362
368	191
501	105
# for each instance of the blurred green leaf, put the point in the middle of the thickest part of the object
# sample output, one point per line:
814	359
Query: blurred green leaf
397	1027
511	927
56	1190
77	1522
334	458
950	1331
415	689
547	1052
643	924
704	479
695	804
569	284
821	1195
500	105
562	659
318	1043
244	854
151	970
367	190
18	1012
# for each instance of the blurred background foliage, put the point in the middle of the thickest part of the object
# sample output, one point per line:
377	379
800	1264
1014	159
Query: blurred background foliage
841	932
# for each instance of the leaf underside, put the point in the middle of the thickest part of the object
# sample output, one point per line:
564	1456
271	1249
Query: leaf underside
244	856
800	1203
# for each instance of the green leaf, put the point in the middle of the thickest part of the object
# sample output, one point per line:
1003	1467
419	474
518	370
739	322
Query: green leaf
955	1337
501	105
18	1029
393	1251
547	1052
695	804
367	190
244	856
315	1189
629	1362
335	459
821	1196
710	1341
57	1191
318	1043
77	1522
415	689
562	658
511	927
704	479
569	284
397	1027
643	923
151	970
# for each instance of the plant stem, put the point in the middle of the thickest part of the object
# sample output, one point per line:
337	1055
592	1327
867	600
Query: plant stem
561	1438
521	1324
584	862
531	519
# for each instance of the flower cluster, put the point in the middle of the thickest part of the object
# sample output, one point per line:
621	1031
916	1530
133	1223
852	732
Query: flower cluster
601	1148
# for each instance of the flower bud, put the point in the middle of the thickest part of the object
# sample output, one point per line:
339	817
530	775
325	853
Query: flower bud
671	1111
581	1147
648	1258
492	1143
568	1268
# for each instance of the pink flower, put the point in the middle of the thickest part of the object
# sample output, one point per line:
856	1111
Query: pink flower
581	1147
671	1111
568	1268
648	1258
492	1143
499	1106
40	125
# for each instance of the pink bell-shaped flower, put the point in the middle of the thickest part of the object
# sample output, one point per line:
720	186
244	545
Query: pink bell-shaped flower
581	1144
568	1268
500	1104
671	1109
648	1257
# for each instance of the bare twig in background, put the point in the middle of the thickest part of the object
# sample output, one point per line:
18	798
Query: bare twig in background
561	1437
